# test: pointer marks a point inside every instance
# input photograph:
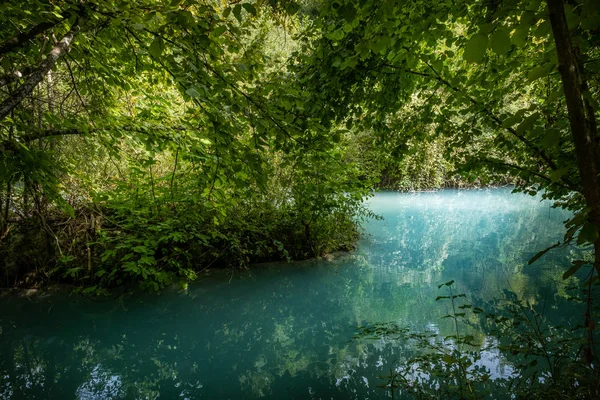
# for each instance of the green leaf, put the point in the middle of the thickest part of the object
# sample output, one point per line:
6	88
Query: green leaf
591	22
204	40
381	44
556	175
475	48
500	42
226	12
541	253
539	72
528	123
250	8
510	121
192	92
89	290
237	12
347	11
550	139
156	47
576	265
448	359
588	234
338	34
219	30
571	271
533	363
449	283
520	35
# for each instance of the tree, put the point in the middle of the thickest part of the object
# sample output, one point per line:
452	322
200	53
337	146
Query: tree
582	118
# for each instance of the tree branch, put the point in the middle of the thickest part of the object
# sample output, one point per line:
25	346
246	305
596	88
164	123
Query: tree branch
43	134
483	108
22	38
528	171
38	74
14	75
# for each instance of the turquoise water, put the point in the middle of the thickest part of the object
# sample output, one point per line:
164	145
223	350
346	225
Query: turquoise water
286	330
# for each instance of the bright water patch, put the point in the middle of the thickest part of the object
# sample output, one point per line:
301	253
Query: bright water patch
286	330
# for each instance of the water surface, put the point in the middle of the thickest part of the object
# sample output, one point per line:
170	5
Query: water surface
286	330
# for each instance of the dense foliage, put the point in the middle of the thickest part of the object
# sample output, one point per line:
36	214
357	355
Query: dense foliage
159	144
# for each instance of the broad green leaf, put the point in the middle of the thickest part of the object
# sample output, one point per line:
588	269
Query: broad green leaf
192	92
486	28
250	8
591	22
448	359
237	12
338	34
156	47
475	48
380	45
543	29
556	94
587	234
510	121
219	30
519	37
556	175
500	41
571	270
591	100
539	72
528	123
551	138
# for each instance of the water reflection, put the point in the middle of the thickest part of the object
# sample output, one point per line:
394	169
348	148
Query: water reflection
285	331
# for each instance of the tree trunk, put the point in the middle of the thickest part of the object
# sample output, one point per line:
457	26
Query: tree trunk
581	127
40	72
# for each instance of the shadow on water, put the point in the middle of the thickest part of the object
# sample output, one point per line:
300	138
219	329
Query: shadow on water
285	330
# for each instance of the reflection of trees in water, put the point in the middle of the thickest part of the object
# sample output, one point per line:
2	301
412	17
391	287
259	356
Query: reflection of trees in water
485	246
286	349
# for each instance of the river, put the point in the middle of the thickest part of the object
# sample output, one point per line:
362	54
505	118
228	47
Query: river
287	330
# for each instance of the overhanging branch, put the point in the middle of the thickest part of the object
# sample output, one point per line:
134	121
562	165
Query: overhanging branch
541	153
22	38
38	74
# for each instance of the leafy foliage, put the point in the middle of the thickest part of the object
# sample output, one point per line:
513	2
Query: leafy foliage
163	144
